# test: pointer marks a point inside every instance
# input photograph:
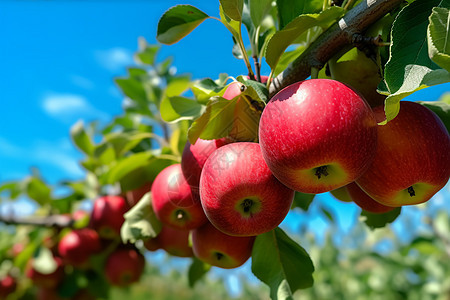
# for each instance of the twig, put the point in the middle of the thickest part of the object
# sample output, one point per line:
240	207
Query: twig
59	221
333	40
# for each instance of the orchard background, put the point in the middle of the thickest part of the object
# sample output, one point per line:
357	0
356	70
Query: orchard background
69	61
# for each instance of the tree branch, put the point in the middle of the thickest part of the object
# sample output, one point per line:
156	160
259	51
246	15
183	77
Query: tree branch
59	221
332	41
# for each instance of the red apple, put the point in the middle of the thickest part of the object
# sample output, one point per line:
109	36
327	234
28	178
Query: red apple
246	118
239	194
219	249
107	216
341	194
175	242
364	201
194	157
317	135
152	244
48	294
135	195
412	161
77	246
124	266
174	202
50	280
8	285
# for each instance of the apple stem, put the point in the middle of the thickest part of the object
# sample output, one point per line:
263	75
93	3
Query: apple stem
219	255
322	170
247	204
411	191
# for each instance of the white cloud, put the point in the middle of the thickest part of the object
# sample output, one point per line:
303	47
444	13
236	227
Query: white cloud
114	59
60	154
70	107
82	82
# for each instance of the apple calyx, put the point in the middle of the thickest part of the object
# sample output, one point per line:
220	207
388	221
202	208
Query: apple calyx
219	255
180	215
322	170
411	191
249	206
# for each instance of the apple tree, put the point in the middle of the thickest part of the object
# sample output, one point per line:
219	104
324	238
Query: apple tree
206	170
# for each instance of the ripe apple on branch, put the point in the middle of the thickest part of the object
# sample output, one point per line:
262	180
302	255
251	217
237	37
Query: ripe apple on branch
233	157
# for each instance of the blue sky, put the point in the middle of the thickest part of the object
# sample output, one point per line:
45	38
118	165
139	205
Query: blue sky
59	59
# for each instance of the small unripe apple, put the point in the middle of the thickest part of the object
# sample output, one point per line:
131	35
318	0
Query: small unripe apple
219	249
77	246
124	266
317	135
239	194
195	156
8	285
107	216
174	202
50	280
412	161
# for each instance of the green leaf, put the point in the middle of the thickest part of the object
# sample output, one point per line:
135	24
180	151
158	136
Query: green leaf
302	200
175	109
441	109
380	220
122	142
290	9
126	165
105	154
439	37
206	88
177	85
177	22
140	221
81	139
35	241
215	122
13	189
138	89
147	53
197	270
409	43
281	263
416	78
233	8
286	58
146	172
38	190
44	261
232	25
281	40
259	10
254	90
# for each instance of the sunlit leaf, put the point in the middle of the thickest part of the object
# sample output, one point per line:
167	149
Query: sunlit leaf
439	37
281	263
233	8
140	221
282	39
177	22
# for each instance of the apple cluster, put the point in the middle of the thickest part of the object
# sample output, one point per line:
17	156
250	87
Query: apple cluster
92	250
320	135
315	136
